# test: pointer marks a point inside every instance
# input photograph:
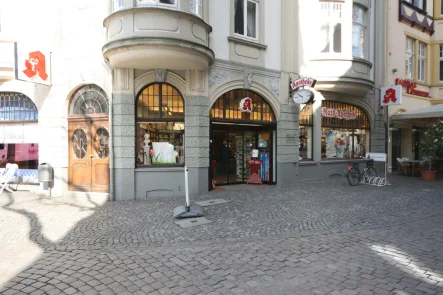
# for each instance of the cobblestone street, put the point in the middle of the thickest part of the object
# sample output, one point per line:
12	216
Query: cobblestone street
312	238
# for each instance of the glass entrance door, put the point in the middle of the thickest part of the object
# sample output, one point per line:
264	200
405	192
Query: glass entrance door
230	152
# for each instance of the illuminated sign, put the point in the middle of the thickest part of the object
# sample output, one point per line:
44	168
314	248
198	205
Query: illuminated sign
390	95
337	113
33	64
303	82
246	105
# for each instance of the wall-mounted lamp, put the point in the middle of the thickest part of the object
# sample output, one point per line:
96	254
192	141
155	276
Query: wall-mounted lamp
394	70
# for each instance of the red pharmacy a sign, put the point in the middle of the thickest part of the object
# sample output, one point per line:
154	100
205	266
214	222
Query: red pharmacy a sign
246	105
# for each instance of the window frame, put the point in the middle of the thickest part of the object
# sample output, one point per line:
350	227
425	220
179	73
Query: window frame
30	110
414	3
421	59
196	4
245	20
159	119
157	3
331	20
118	6
410	53
363	26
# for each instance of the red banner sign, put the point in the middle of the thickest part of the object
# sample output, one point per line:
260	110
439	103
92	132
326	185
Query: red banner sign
411	85
336	113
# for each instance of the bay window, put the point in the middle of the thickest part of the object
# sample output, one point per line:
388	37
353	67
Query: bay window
358	31
160	126
246	18
117	4
331	27
441	63
158	2
197	7
409	58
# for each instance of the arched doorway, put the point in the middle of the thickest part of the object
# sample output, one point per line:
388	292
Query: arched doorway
88	140
242	123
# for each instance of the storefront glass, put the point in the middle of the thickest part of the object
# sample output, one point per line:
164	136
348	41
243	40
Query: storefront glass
305	132
347	136
160	126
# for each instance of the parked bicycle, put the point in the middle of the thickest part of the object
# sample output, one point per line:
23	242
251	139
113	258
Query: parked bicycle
354	174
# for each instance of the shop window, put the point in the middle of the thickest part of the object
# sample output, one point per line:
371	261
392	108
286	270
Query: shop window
160	126
246	18
89	100
409	58
331	28
358	31
23	154
227	107
197	7
345	131
421	61
17	107
305	132
441	63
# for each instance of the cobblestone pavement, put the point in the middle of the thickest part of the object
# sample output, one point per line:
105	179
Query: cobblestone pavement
312	238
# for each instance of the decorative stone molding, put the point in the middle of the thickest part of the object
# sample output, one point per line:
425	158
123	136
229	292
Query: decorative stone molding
220	76
273	84
149	77
247	76
121	79
160	75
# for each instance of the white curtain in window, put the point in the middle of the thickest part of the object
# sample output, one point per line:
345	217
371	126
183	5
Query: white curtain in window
409	58
421	61
196	7
252	19
418	3
330	32
358	32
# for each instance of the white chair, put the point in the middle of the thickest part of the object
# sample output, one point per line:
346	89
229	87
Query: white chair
400	165
10	174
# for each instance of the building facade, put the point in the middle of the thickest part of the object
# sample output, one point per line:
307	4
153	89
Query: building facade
415	31
138	90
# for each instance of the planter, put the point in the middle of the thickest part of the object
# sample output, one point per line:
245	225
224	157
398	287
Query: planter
428	175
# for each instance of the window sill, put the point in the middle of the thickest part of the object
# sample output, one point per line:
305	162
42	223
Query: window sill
341	161
307	163
247	43
154	168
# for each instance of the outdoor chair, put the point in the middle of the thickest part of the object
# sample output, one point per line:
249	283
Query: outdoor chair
9	175
401	165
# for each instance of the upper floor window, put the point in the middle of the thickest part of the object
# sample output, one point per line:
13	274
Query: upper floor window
331	28
409	58
421	61
158	2
441	63
417	3
17	107
117	4
246	18
358	31
197	7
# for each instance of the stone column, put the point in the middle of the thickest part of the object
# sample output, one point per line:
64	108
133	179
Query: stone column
123	134
197	131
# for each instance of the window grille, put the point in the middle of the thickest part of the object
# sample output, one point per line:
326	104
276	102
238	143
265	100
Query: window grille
17	107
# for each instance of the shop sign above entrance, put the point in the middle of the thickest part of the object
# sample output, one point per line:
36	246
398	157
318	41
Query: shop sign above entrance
411	85
246	105
337	113
303	82
390	95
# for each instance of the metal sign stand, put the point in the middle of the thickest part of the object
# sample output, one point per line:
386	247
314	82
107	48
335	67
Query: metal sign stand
376	180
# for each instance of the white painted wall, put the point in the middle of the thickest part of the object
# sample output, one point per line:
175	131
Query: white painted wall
273	34
219	19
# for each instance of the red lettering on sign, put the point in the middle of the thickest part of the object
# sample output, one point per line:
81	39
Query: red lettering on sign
36	63
411	85
246	105
340	114
390	96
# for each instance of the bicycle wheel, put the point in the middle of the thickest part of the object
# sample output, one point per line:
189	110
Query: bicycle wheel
371	172
353	176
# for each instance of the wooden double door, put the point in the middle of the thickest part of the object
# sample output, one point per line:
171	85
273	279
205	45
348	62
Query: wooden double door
89	154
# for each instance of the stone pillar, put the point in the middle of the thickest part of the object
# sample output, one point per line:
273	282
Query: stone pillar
197	131
123	134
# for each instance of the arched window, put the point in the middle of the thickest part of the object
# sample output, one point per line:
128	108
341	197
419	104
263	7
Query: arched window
227	108
345	131
89	100
160	120
17	107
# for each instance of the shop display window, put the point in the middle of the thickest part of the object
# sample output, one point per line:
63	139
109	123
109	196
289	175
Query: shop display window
305	132
160	126
347	137
23	154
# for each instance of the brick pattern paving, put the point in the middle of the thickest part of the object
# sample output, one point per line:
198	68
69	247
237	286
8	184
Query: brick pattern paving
314	238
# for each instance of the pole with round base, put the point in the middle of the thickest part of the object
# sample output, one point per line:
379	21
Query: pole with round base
189	210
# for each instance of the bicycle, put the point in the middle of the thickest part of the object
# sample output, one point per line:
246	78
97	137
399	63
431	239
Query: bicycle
355	176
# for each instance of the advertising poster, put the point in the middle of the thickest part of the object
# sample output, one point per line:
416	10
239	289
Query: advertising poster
163	153
331	151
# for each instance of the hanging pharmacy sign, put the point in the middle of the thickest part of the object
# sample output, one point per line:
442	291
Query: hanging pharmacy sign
246	105
337	113
390	95
33	64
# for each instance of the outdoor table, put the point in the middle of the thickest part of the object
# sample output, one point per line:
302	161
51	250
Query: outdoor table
412	164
